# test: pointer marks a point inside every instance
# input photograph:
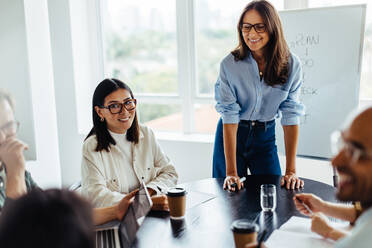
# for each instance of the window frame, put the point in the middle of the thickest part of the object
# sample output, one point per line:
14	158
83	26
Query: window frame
187	95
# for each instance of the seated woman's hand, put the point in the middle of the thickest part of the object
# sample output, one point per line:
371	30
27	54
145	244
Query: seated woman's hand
160	203
314	203
123	205
291	181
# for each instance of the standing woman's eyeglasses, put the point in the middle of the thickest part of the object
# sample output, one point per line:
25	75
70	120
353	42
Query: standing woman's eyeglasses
116	108
258	27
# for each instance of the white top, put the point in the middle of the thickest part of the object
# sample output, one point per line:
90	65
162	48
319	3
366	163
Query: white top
105	174
360	236
125	147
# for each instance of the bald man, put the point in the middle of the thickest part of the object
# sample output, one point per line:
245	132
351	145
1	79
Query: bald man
353	163
354	166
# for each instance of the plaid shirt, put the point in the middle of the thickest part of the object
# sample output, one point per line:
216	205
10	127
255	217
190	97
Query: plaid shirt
30	184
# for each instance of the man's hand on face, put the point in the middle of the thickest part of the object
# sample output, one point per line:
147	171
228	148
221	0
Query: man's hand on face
11	154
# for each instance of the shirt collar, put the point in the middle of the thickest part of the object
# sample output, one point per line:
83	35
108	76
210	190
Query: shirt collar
118	135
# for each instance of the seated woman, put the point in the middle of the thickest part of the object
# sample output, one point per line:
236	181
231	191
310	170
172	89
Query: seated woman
15	181
118	153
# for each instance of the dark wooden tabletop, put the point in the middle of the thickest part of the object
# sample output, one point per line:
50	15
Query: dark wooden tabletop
208	224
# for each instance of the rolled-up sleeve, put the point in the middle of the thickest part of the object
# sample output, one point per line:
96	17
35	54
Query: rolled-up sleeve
292	108
226	100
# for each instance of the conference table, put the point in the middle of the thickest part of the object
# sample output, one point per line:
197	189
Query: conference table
207	224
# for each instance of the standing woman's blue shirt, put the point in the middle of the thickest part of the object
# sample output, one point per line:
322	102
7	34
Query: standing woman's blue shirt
241	95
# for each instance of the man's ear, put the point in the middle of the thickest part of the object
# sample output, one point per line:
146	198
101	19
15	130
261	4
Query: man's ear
98	111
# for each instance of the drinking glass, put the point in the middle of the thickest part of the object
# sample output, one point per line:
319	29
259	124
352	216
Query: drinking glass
268	197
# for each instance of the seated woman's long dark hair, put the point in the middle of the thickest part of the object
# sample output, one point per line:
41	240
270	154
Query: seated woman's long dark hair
104	138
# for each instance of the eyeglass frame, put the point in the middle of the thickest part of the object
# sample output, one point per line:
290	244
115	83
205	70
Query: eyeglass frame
354	151
253	26
122	104
7	125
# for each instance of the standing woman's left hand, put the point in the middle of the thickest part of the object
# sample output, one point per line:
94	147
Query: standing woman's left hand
291	181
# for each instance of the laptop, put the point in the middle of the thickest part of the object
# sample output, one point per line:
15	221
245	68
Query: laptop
122	233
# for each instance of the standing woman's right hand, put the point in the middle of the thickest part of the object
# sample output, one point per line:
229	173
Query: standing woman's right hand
229	143
230	180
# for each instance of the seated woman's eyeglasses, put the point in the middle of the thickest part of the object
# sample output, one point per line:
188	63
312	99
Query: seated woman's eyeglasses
10	128
259	27
116	108
354	151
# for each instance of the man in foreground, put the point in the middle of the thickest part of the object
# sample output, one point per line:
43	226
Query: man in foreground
353	162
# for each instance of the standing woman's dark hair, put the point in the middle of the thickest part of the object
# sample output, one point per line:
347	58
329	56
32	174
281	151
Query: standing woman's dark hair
276	51
52	218
104	138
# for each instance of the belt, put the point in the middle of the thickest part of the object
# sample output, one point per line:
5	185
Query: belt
256	123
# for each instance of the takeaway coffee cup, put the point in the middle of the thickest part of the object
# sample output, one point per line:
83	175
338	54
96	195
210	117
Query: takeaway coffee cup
177	202
244	232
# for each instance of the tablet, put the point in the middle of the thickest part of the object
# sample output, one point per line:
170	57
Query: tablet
130	224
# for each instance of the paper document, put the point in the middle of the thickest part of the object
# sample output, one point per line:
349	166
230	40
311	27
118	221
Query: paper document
296	232
195	198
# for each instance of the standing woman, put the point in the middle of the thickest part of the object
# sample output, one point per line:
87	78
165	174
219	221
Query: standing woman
257	80
118	153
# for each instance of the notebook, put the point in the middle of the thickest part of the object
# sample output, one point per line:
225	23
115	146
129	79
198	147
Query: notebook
296	232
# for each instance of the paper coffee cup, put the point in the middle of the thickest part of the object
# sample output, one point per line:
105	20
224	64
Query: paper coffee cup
177	202
244	232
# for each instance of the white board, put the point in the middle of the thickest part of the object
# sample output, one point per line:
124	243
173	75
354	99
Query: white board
329	43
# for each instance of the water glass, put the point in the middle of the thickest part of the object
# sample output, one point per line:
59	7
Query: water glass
268	197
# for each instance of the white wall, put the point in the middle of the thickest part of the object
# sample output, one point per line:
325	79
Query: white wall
28	68
48	173
70	142
193	160
14	68
77	66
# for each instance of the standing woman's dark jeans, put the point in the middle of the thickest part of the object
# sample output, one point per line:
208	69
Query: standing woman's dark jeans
255	149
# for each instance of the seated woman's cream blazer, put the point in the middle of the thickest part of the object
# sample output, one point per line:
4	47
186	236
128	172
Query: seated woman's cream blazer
103	181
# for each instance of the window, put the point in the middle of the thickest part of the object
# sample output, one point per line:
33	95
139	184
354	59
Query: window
169	53
140	44
216	36
163	51
215	23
